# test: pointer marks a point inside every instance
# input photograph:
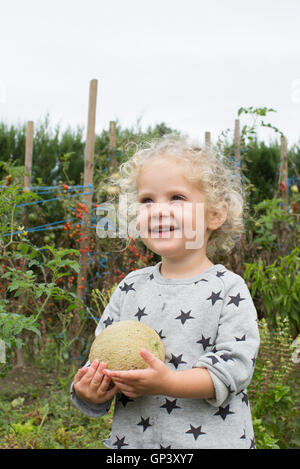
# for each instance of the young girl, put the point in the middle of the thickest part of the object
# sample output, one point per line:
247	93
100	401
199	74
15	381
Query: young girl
203	312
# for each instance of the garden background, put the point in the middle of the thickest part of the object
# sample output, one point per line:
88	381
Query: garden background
48	328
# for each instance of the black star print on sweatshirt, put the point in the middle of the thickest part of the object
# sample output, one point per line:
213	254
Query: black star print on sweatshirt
252	446
235	299
240	339
125	399
214	297
226	357
170	405
213	359
196	431
205	342
160	333
145	423
120	442
184	316
126	288
108	321
245	398
176	360
201	280
141	313
223	412
220	274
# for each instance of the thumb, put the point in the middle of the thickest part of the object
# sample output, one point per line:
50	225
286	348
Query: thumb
149	358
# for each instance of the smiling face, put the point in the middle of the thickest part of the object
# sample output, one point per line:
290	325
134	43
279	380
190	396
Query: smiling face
168	200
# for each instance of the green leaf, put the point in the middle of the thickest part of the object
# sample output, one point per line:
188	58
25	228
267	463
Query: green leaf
19	343
295	296
23	247
280	392
70	308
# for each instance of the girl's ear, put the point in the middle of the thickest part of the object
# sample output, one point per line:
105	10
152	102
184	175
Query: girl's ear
216	217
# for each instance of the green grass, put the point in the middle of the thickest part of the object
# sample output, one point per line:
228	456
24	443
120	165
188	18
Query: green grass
36	412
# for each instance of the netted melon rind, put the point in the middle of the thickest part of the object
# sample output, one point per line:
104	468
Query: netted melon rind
119	344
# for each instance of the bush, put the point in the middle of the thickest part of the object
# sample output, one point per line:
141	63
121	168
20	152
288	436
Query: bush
272	392
278	284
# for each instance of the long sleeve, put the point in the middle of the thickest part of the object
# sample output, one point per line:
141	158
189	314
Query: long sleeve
110	314
88	408
209	321
231	361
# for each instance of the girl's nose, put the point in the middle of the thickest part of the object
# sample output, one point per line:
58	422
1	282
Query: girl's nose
160	211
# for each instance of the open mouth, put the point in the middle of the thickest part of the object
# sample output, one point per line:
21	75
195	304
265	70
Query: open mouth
163	229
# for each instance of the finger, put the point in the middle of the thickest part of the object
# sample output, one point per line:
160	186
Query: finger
132	395
99	370
105	384
110	394
126	375
86	379
115	379
120	383
149	358
80	373
124	387
97	378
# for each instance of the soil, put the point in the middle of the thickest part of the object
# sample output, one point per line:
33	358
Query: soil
18	381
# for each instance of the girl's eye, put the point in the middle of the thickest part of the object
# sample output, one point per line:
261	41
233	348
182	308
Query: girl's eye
146	198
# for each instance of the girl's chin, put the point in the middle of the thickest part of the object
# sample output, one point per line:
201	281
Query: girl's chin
167	245
161	245
156	239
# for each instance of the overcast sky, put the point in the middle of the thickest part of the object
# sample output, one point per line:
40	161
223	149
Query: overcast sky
188	63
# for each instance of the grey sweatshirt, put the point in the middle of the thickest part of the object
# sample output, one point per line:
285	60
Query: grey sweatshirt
205	321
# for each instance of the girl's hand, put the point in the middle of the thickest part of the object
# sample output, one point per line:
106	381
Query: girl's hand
152	381
92	385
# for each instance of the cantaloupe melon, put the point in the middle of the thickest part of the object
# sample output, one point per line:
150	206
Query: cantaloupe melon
119	344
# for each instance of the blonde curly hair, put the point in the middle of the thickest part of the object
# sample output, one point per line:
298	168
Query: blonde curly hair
212	174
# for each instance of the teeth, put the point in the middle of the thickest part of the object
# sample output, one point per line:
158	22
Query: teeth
162	230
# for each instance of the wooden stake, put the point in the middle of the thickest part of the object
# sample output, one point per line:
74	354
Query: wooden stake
88	179
20	362
283	176
28	166
112	135
237	143
207	140
112	144
28	156
76	346
237	157
283	229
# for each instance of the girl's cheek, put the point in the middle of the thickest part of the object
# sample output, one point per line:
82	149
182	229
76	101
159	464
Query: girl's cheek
142	223
193	221
198	217
188	222
188	228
